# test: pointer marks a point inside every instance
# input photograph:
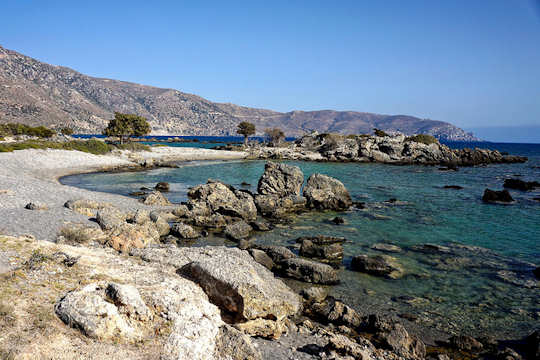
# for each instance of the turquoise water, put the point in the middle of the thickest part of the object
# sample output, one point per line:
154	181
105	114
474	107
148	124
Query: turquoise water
459	292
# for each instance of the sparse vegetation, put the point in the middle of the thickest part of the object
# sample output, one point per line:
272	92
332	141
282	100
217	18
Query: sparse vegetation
422	138
245	129
92	146
13	129
126	126
275	136
66	131
379	132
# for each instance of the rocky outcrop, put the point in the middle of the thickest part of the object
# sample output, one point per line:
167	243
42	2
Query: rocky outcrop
155	198
280	180
396	149
324	248
493	196
325	193
218	198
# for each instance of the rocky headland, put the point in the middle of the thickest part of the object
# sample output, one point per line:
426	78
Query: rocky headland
389	149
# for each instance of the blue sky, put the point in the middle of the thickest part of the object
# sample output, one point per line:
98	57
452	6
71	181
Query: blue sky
473	63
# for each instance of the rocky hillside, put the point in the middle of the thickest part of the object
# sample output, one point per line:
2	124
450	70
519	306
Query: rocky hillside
33	92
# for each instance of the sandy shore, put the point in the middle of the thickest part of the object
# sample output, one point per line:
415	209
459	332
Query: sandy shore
32	176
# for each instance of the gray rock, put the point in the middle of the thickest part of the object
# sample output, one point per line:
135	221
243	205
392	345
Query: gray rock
277	253
128	300
87	310
393	336
218	198
262	258
378	265
141	216
231	344
162	186
467	343
386	247
86	207
331	252
244	290
109	218
238	230
314	294
336	312
280	180
309	271
261	225
74	233
274	206
325	193
184	231
36	206
155	198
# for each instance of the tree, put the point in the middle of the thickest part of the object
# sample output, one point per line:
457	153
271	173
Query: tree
275	135
246	129
66	131
127	125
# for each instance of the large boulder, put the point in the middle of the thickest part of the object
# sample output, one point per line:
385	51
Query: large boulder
89	310
85	206
325	193
109	218
280	180
309	271
74	234
219	198
126	236
378	265
245	291
326	252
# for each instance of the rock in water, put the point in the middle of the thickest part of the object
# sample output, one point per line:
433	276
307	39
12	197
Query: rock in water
521	185
218	198
280	180
328	252
309	271
238	230
325	193
379	265
492	196
162	186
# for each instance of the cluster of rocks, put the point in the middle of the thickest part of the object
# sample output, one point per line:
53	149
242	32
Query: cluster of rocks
396	149
504	196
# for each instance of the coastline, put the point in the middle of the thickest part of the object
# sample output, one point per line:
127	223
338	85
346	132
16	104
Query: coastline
33	176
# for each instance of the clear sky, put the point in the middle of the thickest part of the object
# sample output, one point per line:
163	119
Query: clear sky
472	63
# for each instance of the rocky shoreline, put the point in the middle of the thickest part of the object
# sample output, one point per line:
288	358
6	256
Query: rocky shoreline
395	149
136	294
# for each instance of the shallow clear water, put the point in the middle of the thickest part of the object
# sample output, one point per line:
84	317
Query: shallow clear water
457	292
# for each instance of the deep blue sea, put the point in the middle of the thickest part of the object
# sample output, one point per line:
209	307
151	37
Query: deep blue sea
484	285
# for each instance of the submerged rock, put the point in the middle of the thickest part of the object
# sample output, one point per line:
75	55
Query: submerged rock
162	186
329	252
492	196
325	193
453	187
386	247
520	184
379	265
280	180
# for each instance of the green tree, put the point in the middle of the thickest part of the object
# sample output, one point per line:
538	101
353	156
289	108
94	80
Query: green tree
126	126
246	129
274	135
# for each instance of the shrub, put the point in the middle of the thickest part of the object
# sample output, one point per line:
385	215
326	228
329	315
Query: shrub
274	135
379	132
134	146
422	138
13	129
66	131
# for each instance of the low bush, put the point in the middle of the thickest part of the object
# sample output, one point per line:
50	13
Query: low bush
133	146
379	132
13	129
422	138
92	146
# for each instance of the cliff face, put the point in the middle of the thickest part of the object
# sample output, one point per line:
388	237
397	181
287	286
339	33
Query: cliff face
36	93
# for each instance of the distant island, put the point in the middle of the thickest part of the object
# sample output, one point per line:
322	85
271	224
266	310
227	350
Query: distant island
36	93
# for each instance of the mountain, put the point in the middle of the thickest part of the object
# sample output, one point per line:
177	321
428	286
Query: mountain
36	93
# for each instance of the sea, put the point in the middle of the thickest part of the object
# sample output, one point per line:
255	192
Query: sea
478	282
